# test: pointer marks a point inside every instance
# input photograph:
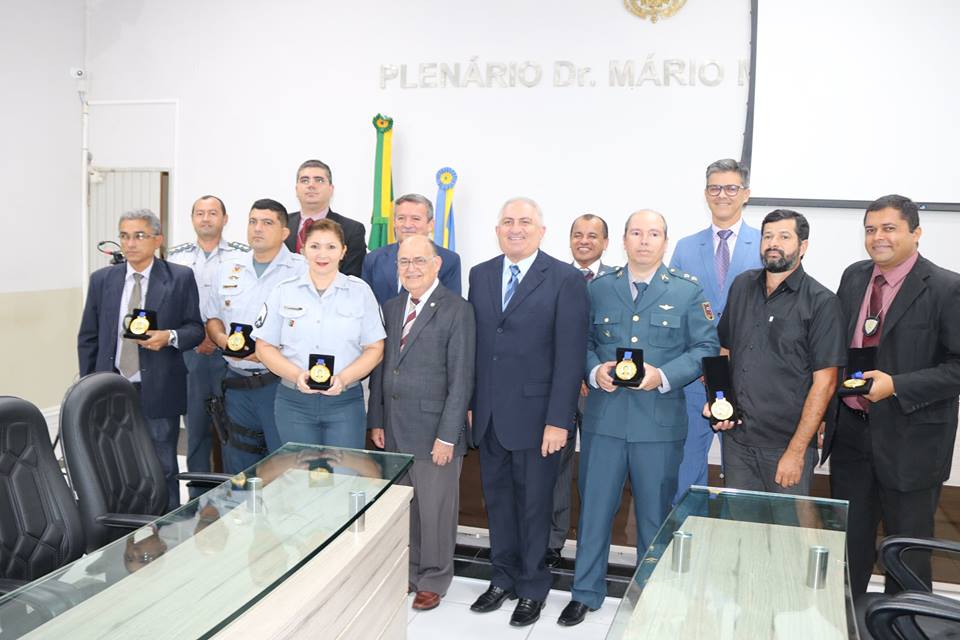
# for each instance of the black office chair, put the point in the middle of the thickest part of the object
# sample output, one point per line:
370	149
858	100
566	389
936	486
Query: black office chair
40	528
912	614
111	460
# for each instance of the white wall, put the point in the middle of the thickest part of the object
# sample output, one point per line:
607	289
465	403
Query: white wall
263	86
40	162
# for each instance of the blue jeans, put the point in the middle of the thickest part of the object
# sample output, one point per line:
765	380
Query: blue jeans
204	375
336	421
164	433
252	411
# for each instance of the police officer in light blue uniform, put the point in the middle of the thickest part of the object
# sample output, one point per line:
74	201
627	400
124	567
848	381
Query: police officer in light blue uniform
238	294
639	431
322	312
205	367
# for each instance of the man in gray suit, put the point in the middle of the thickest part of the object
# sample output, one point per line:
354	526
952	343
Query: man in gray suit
589	237
418	406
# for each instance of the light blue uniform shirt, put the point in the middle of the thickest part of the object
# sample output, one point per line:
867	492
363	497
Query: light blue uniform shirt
238	295
205	268
299	321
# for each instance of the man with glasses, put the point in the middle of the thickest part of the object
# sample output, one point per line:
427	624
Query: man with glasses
418	406
412	216
314	191
205	366
716	256
154	365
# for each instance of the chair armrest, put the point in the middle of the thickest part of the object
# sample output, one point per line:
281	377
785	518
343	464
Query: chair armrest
195	478
891	549
885	614
125	520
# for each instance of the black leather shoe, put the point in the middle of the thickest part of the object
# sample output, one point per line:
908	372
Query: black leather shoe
553	558
526	613
491	599
573	614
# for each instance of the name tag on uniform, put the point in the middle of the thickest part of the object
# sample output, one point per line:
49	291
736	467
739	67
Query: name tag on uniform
292	308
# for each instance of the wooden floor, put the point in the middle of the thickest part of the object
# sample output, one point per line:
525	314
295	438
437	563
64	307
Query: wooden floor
947	525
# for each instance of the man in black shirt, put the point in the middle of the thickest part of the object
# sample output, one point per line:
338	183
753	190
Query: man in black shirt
783	331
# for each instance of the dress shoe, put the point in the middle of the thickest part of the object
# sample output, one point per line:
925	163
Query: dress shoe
553	558
426	600
526	613
573	614
491	599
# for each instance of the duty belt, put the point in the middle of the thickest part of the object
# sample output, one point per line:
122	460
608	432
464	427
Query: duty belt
256	381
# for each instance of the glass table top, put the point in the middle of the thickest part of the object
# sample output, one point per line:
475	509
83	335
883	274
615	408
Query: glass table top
215	556
741	564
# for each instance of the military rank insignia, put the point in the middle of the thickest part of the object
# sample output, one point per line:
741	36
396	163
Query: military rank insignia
707	311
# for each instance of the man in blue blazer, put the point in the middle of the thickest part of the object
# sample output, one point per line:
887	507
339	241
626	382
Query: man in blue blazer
412	216
635	432
154	365
531	312
716	256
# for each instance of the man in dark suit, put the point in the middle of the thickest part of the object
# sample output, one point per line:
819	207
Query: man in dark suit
531	348
589	237
412	216
154	365
892	449
314	190
418	405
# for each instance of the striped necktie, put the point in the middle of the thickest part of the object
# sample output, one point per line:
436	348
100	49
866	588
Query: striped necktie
408	323
130	350
511	285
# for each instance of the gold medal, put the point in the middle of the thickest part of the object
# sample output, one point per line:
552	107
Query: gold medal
236	341
855	381
139	325
721	409
626	369
319	373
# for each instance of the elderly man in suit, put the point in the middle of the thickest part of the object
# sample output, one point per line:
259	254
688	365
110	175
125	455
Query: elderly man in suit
892	449
635	432
715	256
418	405
155	365
589	237
314	191
531	346
412	216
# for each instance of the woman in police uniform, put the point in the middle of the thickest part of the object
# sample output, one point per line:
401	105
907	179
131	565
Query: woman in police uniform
321	312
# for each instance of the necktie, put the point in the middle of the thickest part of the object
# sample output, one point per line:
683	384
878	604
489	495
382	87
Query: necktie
875	309
587	274
129	351
638	289
721	259
408	323
302	236
511	285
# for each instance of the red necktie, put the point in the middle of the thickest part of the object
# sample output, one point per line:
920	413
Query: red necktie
408	323
302	236
875	309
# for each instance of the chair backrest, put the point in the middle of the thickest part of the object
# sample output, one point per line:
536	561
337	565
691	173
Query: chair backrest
111	460
40	527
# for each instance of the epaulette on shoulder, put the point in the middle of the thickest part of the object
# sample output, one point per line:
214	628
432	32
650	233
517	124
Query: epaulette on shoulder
181	248
239	246
680	275
287	280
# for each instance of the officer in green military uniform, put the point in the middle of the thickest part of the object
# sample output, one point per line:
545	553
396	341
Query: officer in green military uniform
640	431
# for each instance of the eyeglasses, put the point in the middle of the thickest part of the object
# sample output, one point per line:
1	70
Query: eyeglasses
729	189
139	236
419	262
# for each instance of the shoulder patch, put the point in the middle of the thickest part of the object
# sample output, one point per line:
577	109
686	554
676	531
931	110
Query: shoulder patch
262	317
238	246
183	248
